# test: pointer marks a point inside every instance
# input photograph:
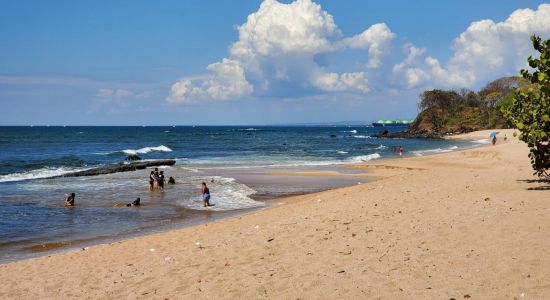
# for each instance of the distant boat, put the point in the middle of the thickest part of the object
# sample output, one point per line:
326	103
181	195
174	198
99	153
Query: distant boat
384	123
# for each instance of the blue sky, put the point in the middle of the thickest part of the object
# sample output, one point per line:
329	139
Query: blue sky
145	63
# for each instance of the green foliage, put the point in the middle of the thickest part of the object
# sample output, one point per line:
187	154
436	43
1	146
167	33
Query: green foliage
529	111
450	111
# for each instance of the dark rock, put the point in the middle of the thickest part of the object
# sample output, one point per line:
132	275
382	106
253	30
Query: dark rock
116	168
133	157
409	135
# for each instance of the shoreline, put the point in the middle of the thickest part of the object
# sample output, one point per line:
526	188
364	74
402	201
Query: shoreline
469	222
38	248
320	174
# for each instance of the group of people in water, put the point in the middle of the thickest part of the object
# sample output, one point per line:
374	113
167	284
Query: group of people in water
69	201
156	182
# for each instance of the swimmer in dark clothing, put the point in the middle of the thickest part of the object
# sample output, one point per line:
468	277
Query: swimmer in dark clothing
151	180
69	201
135	203
161	180
171	180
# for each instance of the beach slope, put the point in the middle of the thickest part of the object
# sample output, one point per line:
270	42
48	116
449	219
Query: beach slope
472	223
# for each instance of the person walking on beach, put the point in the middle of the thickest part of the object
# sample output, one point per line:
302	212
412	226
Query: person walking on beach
205	195
69	201
401	150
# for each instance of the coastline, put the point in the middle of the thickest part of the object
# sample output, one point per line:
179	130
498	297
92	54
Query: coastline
445	225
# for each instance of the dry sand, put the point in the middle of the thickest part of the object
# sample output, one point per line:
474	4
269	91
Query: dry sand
456	225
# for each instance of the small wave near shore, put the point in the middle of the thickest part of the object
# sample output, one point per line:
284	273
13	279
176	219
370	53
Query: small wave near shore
39	173
146	150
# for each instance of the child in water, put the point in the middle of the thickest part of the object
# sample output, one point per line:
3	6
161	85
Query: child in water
135	203
69	201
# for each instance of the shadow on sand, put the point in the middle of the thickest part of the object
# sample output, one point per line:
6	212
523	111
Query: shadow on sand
544	184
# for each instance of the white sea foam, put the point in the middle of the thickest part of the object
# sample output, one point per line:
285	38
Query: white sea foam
146	150
102	153
226	195
362	136
352	131
38	173
483	141
381	147
434	151
342	152
364	158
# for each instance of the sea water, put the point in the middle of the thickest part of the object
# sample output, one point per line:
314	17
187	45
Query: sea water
234	161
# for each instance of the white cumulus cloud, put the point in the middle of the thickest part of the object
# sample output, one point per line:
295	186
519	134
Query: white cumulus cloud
276	51
342	82
376	39
484	51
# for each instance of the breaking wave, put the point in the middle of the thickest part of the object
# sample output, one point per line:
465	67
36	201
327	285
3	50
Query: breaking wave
364	158
38	173
146	150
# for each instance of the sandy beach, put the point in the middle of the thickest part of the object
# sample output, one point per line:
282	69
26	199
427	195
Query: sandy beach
466	224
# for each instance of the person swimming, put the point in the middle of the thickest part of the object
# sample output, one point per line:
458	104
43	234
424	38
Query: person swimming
171	180
69	201
135	203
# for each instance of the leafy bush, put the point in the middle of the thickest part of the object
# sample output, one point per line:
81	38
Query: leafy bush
529	111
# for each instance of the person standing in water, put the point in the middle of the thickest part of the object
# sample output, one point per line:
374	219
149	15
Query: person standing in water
401	150
205	195
151	180
161	180
156	177
69	201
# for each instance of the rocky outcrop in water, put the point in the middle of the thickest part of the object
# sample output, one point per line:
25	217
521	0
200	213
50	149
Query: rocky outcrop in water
116	168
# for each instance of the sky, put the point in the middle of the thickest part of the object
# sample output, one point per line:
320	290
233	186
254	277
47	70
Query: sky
250	62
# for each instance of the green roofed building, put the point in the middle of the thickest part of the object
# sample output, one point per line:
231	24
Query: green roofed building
382	123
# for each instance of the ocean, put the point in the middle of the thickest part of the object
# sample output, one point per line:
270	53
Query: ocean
235	161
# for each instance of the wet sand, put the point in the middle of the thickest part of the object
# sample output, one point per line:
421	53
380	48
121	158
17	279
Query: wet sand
467	224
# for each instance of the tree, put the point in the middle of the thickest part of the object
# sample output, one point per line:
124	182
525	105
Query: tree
530	108
494	91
